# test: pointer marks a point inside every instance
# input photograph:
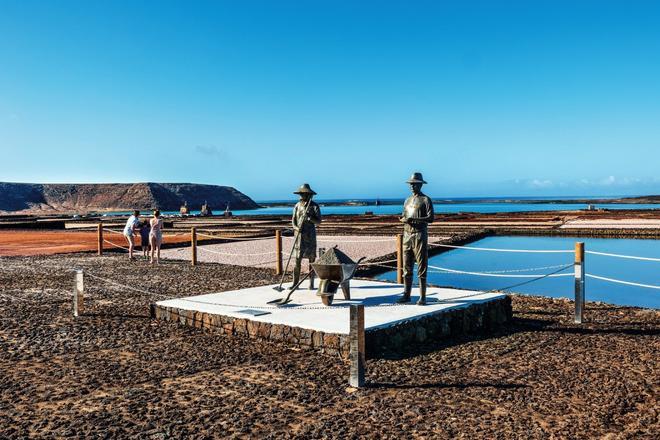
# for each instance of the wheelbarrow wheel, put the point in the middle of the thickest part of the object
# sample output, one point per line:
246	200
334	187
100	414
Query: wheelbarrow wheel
327	300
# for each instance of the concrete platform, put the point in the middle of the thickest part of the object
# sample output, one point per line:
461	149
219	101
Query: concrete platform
306	322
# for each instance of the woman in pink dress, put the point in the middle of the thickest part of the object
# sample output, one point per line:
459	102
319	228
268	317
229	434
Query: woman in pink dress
156	236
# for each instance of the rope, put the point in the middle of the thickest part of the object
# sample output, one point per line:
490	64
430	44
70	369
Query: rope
506	289
112	230
115	245
379	263
502	250
622	256
355	241
235	255
523	270
258	307
87	274
499	275
218	237
629	283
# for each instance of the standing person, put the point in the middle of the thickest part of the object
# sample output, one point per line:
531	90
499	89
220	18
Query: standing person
417	214
306	215
145	228
156	236
132	225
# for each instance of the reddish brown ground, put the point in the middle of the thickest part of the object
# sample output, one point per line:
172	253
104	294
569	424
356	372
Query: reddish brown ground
29	243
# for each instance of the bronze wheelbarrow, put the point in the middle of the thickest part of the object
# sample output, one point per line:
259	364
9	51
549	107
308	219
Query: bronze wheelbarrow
331	276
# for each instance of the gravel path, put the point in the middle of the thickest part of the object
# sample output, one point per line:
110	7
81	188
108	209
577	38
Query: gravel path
261	253
116	373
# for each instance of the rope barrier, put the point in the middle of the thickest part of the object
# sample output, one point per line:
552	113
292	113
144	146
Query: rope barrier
542	251
259	307
632	257
112	230
499	275
218	237
115	245
629	283
507	289
379	263
235	255
355	241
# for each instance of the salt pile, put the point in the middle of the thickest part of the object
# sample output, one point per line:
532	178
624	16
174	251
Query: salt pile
334	256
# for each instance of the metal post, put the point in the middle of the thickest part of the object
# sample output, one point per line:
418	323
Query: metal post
99	238
356	339
579	282
78	292
399	258
193	246
278	252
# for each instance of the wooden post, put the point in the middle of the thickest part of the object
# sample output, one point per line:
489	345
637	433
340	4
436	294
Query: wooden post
579	282
99	237
193	246
278	252
78	292
399	258
357	349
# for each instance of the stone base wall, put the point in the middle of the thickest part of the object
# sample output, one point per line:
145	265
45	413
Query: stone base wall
480	318
299	337
443	325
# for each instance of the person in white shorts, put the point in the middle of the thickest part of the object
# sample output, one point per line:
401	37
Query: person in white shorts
132	225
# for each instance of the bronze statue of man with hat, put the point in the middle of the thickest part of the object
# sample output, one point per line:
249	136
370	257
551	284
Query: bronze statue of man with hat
306	215
417	214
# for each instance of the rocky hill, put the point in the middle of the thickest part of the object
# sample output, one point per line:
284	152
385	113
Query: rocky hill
83	198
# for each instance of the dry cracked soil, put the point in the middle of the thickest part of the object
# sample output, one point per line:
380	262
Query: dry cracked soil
115	373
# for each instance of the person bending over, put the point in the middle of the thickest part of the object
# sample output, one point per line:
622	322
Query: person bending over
132	225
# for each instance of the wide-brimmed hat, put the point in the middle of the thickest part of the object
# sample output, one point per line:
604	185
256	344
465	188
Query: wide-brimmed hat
416	178
305	189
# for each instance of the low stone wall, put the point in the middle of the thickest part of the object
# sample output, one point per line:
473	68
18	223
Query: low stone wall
299	337
479	318
476	319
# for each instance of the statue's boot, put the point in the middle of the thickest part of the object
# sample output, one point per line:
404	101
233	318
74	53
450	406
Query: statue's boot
407	287
311	279
296	276
422	292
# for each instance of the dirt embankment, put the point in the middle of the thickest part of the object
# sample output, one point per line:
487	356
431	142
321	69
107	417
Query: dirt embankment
116	373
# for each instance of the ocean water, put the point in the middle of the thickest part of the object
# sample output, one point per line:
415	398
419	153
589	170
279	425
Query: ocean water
639	271
450	208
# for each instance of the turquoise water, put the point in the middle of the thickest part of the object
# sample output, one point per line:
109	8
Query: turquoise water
645	272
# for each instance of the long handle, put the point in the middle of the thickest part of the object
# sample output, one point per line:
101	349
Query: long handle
293	289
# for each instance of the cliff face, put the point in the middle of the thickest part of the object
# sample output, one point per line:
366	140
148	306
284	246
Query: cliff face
28	197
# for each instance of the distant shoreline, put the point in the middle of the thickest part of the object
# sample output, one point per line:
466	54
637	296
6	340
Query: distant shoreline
651	199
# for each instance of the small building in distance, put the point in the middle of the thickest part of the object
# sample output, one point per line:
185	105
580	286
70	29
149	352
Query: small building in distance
206	210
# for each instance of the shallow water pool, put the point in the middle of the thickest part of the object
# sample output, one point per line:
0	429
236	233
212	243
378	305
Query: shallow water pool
500	263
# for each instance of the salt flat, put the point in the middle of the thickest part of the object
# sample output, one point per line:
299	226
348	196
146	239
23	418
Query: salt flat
261	253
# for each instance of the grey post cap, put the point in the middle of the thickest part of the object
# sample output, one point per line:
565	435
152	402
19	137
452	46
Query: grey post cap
305	189
416	178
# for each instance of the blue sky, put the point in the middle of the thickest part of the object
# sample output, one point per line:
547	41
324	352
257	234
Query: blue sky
485	98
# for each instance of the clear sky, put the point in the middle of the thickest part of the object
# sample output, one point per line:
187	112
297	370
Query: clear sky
489	98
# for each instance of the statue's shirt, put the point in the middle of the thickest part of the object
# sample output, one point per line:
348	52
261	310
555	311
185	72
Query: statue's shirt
306	223
418	206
